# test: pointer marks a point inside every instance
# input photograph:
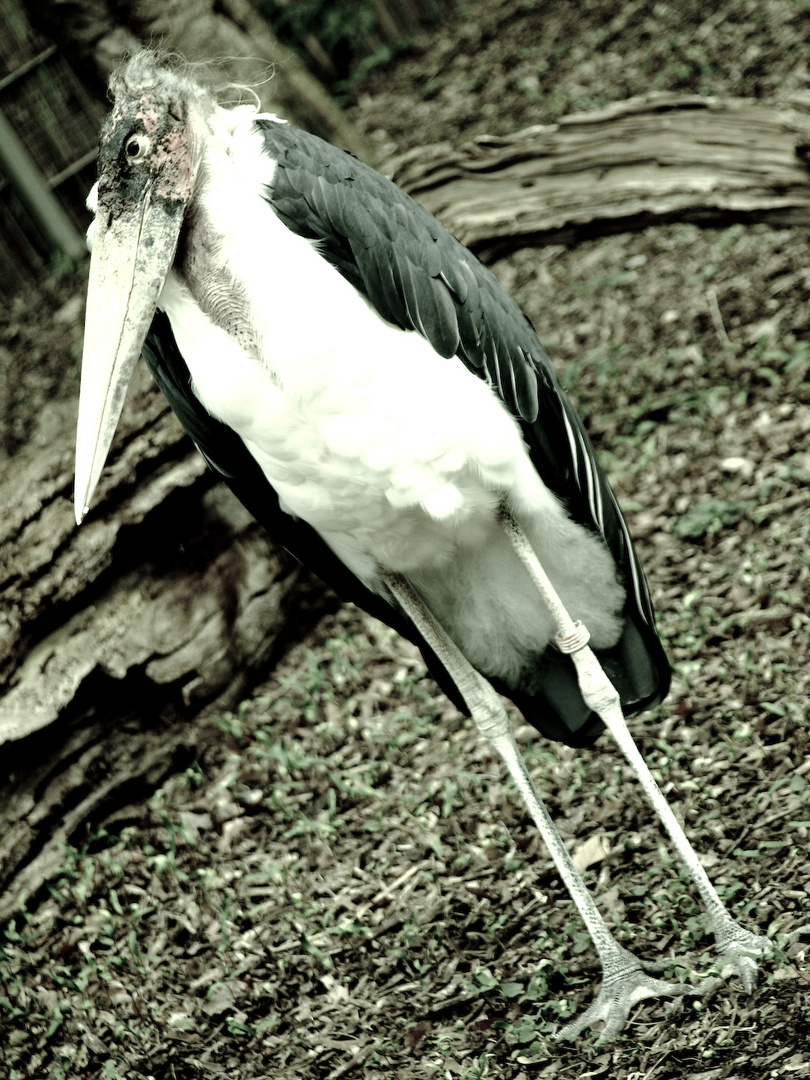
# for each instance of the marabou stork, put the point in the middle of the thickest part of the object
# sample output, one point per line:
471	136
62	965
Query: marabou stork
374	397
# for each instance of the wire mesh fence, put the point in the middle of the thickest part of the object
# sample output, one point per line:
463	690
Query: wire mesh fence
56	122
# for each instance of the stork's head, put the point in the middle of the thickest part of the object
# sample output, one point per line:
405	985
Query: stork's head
149	157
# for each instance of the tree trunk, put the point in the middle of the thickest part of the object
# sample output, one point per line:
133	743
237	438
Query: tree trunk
646	161
168	580
114	635
169	598
96	35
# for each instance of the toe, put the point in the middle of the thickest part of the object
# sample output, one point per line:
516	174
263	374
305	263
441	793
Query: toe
617	997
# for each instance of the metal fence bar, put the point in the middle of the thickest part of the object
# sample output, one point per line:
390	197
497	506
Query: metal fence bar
71	170
36	195
29	65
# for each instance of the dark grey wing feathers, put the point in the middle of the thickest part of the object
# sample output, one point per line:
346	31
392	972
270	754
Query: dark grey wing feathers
379	276
430	308
526	388
412	270
419	277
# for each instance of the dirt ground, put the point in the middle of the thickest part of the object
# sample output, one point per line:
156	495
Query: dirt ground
344	883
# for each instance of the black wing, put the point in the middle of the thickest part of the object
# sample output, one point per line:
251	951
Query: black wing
419	277
413	271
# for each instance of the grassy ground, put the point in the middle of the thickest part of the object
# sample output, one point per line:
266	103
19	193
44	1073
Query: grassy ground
344	883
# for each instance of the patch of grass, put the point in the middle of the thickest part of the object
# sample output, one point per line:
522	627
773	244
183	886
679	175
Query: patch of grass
710	517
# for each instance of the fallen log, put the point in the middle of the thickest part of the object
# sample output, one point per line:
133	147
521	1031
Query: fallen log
646	161
115	635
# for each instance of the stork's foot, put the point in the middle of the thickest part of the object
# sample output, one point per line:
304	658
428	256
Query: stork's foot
740	950
624	984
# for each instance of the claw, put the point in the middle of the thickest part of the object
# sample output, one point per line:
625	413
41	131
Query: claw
616	999
625	983
740	950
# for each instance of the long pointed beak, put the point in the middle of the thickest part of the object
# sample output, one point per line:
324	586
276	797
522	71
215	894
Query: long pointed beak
131	258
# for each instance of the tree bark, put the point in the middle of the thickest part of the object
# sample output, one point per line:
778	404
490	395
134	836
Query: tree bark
114	636
168	579
645	161
96	35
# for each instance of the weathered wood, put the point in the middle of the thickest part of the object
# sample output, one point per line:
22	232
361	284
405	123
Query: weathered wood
134	589
53	794
645	161
114	635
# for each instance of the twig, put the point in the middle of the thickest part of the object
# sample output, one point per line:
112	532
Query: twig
717	318
356	1059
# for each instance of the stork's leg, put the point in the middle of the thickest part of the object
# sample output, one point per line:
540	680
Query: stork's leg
624	982
738	947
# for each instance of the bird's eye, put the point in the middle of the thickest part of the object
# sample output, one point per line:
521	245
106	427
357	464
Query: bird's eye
137	147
